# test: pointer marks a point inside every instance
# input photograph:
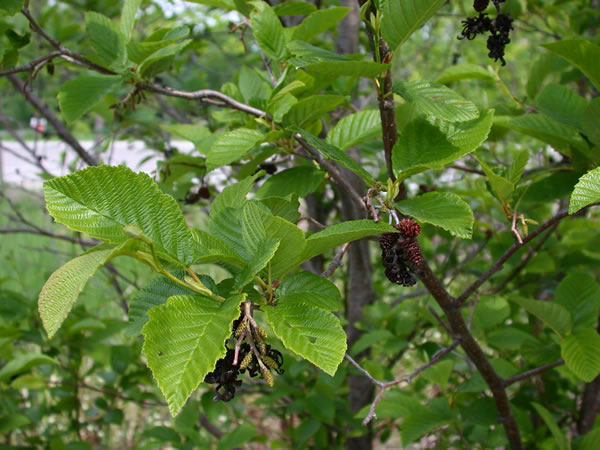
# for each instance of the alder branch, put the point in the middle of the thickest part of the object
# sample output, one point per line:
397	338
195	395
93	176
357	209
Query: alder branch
62	49
62	131
47	233
31	65
383	386
532	372
516	246
336	262
525	260
203	95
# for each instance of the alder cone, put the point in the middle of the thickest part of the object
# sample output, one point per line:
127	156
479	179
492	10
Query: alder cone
387	240
408	228
412	252
480	5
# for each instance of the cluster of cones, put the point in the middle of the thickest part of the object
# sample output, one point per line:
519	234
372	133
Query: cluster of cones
400	252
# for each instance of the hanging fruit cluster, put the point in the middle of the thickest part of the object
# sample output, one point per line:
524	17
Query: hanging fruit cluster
250	353
400	252
498	28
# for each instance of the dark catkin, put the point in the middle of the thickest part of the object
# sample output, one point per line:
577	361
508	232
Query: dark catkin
408	228
480	5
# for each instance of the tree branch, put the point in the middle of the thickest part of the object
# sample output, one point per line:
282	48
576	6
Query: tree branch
498	264
532	372
62	131
203	95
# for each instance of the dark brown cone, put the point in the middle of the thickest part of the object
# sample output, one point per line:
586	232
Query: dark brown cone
412	252
408	228
387	240
480	5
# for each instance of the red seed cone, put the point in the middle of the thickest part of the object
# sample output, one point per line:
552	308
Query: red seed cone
408	228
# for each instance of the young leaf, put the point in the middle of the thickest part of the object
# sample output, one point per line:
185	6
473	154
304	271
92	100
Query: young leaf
341	233
209	248
437	100
545	64
107	40
517	167
581	352
61	290
155	293
354	129
301	180
425	419
586	192
183	340
232	146
294	8
128	13
101	201
259	258
442	209
307	287
268	30
552	314
548	130
284	207
318	22
500	185
11	7
78	96
335	154
401	18
234	196
310	332
590	120
585	55
579	293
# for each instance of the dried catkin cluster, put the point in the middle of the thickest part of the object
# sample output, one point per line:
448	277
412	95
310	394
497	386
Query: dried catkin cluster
400	252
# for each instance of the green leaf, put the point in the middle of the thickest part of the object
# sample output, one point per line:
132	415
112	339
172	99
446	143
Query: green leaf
581	352
425	420
193	133
437	100
465	71
312	108
500	185
183	340
335	154
401	18
307	287
559	438
442	209
101	201
579	293
107	40
586	192
301	180
234	196
232	146
223	4
239	436
561	104
341	233
367	69
310	332
128	13
318	22
155	293
590	440
540	69
585	55
268	30
294	8
160	60
61	290
259	258
78	96
252	86
14	421
11	7
209	248
422	146
552	314
284	207
354	129
590	120
491	312
306	54
517	167
548	130
22	363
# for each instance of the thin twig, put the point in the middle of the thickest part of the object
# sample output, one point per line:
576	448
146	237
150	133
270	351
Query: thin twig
532	372
516	246
45	233
312	220
440	320
336	262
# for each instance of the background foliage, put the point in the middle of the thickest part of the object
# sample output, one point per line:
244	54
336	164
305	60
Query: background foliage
297	117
